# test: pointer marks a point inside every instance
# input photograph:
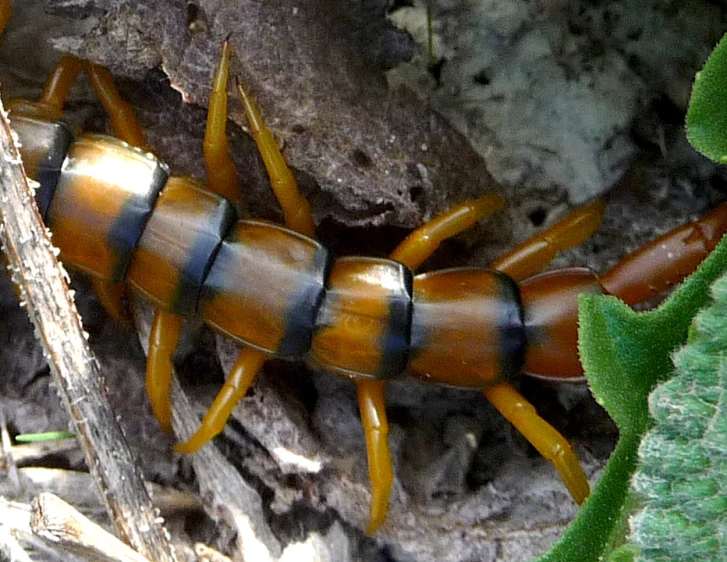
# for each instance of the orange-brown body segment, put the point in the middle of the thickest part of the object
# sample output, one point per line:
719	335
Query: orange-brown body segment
43	149
550	305
186	227
101	180
355	317
256	280
466	328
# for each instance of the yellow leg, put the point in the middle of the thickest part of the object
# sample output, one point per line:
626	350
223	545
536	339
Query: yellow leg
221	170
238	381
372	405
59	83
163	338
416	248
549	443
50	105
296	208
114	297
422	243
123	119
534	254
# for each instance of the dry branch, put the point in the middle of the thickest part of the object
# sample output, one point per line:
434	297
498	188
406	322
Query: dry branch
43	290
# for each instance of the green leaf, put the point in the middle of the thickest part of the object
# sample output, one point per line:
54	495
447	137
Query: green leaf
625	354
683	470
707	114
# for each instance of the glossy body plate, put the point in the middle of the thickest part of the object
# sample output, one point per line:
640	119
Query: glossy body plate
43	148
363	326
104	197
265	286
467	328
179	244
550	302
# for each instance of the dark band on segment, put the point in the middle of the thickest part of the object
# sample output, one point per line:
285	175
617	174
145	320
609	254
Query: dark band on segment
301	315
178	245
511	327
202	254
362	327
43	148
470	318
550	302
395	344
126	231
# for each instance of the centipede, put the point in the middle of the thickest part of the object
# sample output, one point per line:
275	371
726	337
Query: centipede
120	216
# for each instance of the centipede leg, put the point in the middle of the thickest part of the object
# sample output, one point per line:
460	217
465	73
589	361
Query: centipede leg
114	299
525	260
372	405
123	119
163	339
534	254
248	363
296	209
412	251
300	219
51	102
59	83
544	437
221	170
422	243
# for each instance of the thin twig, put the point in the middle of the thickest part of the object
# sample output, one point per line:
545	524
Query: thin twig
44	291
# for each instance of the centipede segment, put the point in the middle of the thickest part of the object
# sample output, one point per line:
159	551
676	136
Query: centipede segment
118	215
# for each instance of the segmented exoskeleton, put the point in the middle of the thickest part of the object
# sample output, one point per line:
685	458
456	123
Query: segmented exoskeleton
117	214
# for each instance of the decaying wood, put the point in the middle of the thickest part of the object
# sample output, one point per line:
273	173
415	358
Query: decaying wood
238	504
44	292
14	528
19	542
60	524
